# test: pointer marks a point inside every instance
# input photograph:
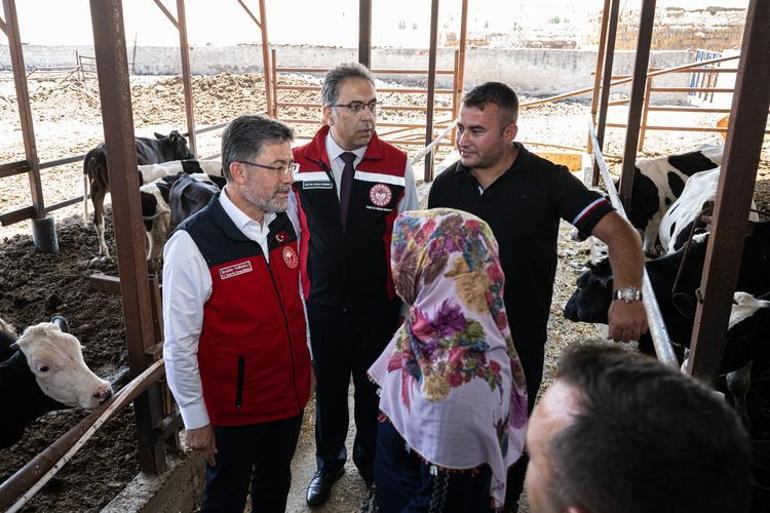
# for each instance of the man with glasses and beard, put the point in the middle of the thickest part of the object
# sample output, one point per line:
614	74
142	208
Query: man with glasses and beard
235	329
350	187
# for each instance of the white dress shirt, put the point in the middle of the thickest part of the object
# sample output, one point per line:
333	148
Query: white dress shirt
333	151
186	288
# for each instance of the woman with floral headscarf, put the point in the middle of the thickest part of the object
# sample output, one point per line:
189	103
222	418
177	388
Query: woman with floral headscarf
453	395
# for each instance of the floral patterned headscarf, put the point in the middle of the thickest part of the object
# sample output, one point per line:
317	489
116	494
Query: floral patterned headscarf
452	384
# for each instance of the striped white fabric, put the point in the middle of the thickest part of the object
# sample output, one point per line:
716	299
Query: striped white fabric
366	176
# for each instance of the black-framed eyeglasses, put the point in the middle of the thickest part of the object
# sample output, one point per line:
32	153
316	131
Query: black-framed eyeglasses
286	170
356	107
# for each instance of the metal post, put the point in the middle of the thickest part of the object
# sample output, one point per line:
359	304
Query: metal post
609	54
428	174
265	57
274	75
365	32
736	185
460	69
117	118
262	26
25	111
186	78
641	63
645	112
598	72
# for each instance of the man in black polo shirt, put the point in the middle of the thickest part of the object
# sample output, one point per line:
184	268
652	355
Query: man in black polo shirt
523	197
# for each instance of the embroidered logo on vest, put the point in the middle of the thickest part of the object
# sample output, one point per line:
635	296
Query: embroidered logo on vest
380	194
290	257
231	271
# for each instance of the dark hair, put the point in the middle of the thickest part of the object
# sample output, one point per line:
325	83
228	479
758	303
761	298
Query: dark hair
245	136
335	77
499	94
646	438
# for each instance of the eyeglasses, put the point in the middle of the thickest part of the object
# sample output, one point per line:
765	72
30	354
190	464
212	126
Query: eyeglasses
286	170
356	107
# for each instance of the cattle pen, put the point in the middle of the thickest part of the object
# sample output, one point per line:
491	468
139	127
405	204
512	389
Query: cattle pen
156	418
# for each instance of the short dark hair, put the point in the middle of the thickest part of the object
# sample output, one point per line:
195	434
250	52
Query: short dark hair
646	438
499	94
335	77
245	136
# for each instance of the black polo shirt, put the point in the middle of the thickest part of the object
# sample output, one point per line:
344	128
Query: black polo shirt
523	207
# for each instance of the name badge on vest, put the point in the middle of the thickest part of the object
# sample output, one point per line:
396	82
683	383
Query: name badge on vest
231	271
323	184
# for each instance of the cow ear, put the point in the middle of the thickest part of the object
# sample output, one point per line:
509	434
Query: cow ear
159	136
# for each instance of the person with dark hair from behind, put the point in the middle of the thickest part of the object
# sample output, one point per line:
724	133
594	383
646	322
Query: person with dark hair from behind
620	432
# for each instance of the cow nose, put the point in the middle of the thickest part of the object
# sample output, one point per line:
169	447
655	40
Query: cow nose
103	393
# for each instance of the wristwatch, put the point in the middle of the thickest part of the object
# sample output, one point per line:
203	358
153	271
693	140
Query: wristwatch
628	294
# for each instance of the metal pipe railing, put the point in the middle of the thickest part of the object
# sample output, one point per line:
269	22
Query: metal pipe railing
18	489
657	326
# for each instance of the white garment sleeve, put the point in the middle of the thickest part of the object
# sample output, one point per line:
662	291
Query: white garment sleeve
292	212
409	201
186	288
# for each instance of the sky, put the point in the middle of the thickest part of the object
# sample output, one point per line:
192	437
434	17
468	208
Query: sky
402	23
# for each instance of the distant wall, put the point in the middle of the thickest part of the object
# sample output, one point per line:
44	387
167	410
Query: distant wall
532	72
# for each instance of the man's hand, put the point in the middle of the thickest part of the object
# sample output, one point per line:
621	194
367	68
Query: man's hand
628	321
202	439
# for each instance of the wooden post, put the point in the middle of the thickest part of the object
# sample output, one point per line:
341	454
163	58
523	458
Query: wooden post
428	174
265	57
189	102
25	111
365	32
645	112
598	72
275	83
609	55
641	64
117	116
736	185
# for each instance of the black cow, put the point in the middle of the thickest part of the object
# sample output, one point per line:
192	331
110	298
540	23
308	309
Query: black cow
591	300
168	201
659	181
148	151
42	371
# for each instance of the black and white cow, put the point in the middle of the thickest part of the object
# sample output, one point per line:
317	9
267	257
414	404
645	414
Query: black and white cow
591	300
659	181
168	201
41	371
697	198
162	148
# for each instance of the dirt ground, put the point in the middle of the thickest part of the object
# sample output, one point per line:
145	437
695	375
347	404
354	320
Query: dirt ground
34	285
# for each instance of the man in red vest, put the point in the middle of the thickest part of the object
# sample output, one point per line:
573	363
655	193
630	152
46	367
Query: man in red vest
349	189
236	350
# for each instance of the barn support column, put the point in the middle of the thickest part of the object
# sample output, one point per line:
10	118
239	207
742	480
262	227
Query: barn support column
117	118
365	32
736	185
189	103
428	173
598	72
460	67
43	230
646	21
262	26
609	55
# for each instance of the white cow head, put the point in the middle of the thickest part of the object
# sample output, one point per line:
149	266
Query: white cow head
56	360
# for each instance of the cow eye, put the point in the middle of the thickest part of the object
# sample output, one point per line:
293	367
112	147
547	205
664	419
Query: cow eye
44	368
